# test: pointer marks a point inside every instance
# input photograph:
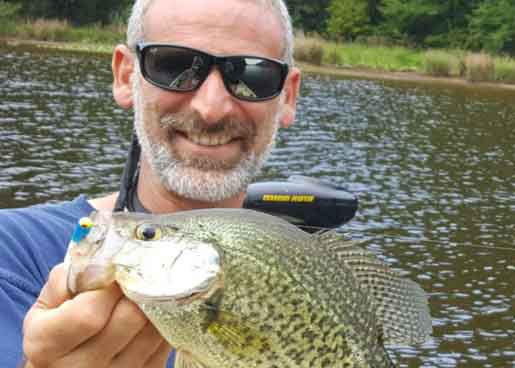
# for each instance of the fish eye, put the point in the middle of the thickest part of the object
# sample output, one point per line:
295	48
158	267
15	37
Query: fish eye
148	232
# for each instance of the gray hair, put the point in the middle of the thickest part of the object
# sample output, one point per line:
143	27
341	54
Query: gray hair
136	32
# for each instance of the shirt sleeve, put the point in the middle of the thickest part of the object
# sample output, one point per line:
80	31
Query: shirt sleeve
20	282
32	241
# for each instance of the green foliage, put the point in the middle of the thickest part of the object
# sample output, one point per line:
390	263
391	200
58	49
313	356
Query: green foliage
471	24
454	38
410	19
436	63
309	16
492	26
348	19
8	10
77	12
440	63
334	56
505	70
381	57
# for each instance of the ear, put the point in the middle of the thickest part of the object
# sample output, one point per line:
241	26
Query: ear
291	92
123	67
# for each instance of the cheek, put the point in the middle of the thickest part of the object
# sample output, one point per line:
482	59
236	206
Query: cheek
267	126
263	113
151	118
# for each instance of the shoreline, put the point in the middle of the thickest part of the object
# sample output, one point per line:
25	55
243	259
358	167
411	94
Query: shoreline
407	77
322	70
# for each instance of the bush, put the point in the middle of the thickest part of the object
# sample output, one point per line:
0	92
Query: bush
437	63
48	30
62	31
348	19
334	56
479	68
8	10
374	40
505	70
442	63
310	50
491	26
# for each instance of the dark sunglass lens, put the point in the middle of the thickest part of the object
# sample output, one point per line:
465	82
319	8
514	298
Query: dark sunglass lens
253	77
174	68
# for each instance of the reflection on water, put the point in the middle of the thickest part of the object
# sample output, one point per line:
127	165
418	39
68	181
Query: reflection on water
433	167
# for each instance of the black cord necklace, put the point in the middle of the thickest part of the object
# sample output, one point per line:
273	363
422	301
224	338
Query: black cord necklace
128	195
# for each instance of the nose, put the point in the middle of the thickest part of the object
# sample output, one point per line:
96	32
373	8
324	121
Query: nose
212	100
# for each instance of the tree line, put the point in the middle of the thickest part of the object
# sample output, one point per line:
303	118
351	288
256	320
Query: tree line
477	25
76	12
467	24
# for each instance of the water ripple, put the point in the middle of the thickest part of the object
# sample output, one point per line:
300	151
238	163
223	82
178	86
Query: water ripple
433	169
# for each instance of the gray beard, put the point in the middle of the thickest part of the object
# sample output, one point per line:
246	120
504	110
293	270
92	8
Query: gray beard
200	184
195	180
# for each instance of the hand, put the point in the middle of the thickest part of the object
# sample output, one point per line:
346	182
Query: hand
99	328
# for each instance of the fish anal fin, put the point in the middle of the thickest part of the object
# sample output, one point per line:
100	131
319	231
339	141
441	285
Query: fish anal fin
184	359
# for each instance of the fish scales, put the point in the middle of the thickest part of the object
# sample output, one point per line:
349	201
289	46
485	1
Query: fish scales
287	298
278	245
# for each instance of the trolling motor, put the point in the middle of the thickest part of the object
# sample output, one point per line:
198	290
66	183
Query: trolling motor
306	202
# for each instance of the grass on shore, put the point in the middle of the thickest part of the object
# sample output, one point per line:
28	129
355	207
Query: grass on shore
474	67
314	50
94	38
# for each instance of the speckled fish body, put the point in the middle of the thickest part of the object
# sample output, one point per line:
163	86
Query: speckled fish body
233	288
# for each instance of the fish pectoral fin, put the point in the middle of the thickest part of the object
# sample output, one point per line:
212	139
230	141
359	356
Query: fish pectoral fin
237	335
184	359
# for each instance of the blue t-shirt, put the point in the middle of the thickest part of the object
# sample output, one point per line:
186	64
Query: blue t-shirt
32	241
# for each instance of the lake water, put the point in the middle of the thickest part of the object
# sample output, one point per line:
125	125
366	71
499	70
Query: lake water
433	168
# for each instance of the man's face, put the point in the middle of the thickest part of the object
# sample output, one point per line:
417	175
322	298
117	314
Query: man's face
206	144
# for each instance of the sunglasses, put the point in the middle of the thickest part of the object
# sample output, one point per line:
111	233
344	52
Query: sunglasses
183	69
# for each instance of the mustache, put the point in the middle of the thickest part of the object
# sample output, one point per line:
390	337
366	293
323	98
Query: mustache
192	123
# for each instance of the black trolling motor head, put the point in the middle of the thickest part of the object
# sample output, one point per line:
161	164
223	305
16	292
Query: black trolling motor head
306	202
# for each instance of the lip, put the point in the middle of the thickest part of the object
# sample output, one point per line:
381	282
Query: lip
208	139
215	146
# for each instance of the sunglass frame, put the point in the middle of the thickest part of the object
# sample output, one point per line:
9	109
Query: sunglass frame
214	60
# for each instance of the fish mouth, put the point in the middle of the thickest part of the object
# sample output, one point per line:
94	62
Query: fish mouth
175	299
187	299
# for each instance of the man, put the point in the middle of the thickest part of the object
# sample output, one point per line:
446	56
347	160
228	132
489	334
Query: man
205	125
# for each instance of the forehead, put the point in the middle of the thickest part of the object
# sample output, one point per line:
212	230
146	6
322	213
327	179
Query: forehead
216	26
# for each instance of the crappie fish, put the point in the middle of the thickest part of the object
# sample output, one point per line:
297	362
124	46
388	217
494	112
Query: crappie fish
233	288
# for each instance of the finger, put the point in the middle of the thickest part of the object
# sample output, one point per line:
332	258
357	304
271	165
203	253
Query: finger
126	322
160	357
55	291
140	349
52	333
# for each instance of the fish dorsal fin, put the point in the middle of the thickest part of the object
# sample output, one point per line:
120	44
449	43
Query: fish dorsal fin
401	305
184	359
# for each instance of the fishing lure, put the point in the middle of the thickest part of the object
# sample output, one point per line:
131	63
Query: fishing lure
82	229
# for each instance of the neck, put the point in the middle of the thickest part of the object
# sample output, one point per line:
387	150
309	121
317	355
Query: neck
157	199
